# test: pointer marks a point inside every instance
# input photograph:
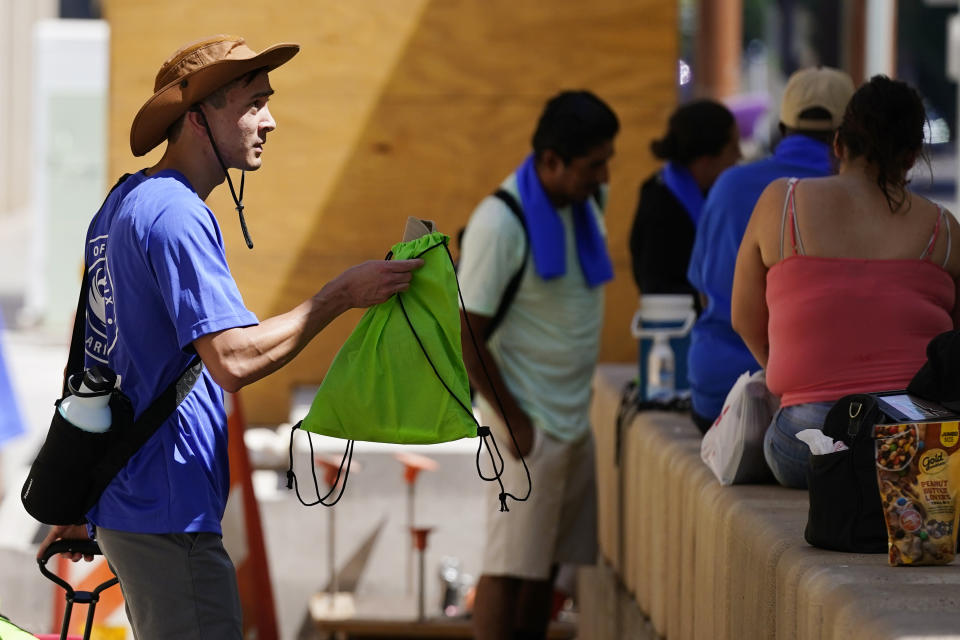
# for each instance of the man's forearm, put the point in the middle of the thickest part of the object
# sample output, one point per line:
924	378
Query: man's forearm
236	357
480	364
240	356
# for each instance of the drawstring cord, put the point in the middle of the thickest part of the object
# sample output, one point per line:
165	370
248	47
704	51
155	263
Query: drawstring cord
292	478
238	201
482	431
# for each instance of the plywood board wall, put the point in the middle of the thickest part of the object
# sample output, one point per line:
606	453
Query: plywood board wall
397	108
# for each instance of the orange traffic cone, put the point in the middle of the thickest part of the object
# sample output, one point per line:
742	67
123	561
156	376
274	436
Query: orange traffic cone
243	535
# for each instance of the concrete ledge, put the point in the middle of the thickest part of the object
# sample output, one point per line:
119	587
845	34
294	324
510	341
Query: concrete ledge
707	562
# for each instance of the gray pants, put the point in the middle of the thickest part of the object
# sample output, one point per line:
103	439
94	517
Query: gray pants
178	585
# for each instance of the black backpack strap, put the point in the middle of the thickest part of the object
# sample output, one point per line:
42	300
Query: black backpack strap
75	356
514	284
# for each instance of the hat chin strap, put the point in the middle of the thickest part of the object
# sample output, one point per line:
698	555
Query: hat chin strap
238	201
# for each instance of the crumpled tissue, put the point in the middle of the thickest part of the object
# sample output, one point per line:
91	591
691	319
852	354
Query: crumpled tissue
819	443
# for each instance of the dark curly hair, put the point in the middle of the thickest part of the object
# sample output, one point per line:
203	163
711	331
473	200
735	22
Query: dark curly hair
698	128
884	124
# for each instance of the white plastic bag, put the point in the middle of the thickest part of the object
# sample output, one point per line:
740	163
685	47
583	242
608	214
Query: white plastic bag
733	446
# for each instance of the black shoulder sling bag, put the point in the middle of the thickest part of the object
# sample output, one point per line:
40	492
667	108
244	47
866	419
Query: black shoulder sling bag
74	467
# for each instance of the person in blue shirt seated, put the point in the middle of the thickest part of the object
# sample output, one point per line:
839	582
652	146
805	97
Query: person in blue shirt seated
161	293
811	109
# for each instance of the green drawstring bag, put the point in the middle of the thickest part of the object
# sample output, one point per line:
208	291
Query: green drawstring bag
379	387
10	631
400	377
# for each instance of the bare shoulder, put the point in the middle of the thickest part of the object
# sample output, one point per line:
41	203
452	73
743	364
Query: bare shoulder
769	207
770	203
947	249
775	193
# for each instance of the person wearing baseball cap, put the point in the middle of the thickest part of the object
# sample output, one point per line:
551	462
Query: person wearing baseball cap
811	109
161	295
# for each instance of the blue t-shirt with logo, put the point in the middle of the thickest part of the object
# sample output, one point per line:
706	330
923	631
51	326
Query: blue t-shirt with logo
717	354
158	281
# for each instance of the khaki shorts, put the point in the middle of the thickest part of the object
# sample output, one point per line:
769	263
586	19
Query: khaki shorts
558	523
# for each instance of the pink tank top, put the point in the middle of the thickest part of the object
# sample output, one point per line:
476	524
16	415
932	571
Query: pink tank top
846	325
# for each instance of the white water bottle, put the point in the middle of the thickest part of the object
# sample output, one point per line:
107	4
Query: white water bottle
661	367
88	405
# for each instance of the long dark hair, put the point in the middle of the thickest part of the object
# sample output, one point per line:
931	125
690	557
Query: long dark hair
699	128
884	124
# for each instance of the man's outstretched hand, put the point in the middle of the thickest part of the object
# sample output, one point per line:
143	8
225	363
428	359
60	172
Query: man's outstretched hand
374	281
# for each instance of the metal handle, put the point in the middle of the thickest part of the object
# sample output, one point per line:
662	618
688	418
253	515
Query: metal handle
85	547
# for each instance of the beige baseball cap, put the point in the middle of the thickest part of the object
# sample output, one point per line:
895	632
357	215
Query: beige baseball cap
823	87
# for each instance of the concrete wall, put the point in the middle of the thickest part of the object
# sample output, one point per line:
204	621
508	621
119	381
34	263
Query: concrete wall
16	90
684	558
397	108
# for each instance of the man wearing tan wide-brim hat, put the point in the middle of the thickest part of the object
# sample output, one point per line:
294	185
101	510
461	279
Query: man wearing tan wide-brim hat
161	294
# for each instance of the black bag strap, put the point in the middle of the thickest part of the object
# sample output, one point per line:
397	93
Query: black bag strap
136	434
75	356
514	284
852	418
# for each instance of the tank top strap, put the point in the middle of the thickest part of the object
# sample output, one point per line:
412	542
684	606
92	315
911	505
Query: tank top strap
946	222
789	207
928	250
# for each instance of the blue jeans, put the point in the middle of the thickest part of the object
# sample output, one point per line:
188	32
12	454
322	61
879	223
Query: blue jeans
787	456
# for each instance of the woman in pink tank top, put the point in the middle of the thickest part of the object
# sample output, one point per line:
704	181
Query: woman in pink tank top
842	281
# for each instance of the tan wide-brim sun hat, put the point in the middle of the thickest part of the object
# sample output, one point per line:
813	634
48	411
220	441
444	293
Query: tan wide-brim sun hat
191	74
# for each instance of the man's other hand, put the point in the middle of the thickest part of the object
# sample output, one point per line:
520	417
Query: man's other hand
65	532
523	433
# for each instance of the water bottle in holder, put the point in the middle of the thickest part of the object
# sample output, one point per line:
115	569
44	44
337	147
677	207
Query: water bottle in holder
661	370
87	406
662	325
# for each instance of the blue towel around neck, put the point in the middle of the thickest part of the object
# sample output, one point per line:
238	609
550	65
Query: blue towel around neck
547	239
684	188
